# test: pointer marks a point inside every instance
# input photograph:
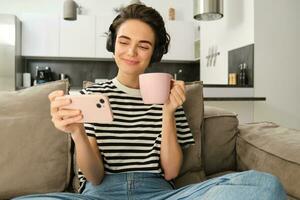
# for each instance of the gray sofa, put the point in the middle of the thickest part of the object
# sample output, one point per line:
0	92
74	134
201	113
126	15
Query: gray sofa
37	158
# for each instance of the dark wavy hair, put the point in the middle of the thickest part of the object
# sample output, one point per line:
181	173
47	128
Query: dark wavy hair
147	15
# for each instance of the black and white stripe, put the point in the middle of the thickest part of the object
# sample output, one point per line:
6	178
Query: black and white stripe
132	141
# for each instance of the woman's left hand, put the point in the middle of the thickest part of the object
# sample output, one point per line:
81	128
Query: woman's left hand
176	98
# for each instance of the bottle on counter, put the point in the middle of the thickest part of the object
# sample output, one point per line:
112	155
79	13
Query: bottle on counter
245	74
241	75
36	75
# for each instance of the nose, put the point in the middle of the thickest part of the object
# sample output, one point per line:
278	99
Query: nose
132	50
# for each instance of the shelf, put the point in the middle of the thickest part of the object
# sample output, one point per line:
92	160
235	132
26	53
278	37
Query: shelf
98	59
234	98
67	58
226	86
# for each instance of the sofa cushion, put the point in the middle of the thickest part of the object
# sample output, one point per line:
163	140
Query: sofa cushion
34	156
193	108
192	168
219	136
271	148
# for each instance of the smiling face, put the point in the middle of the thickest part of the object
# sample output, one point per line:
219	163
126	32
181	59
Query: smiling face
134	46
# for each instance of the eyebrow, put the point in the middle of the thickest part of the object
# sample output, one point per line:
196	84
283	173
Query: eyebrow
141	41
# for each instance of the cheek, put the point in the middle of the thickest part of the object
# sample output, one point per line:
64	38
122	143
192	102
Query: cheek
146	55
119	50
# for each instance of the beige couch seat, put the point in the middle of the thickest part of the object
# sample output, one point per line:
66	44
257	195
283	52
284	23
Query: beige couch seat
266	146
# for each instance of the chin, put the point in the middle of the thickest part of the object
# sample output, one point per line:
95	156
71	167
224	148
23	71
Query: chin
133	73
133	69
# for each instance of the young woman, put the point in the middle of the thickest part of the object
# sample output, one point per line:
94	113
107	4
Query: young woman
138	155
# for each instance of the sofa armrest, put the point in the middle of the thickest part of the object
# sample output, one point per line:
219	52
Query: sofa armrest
218	140
271	148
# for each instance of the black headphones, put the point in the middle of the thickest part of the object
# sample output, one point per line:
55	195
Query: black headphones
158	51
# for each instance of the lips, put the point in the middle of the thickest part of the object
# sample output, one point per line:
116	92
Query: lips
130	62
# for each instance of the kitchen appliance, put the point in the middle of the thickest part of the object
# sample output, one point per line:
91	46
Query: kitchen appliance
10	53
43	75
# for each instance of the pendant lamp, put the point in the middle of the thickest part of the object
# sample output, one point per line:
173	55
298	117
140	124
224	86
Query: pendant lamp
208	10
70	10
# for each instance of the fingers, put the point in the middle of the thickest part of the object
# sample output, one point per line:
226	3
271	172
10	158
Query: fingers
65	113
58	103
52	96
176	99
180	83
63	118
178	92
62	123
55	94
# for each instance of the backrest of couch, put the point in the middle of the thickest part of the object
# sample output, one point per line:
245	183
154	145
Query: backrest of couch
192	168
34	156
220	128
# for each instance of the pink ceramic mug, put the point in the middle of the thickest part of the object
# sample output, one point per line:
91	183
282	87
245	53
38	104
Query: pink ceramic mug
155	87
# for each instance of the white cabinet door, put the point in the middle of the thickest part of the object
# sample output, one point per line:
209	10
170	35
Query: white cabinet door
77	38
40	35
102	25
182	41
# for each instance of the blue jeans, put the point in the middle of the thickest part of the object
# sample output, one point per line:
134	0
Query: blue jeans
248	185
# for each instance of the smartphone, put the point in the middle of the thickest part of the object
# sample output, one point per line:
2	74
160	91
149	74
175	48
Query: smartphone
95	108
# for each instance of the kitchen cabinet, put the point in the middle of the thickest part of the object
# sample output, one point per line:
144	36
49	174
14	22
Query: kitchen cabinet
77	38
182	35
102	26
51	36
40	35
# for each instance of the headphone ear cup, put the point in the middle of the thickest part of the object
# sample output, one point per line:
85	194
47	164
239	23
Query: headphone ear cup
161	50
110	44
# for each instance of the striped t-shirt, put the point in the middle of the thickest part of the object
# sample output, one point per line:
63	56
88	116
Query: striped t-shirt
132	141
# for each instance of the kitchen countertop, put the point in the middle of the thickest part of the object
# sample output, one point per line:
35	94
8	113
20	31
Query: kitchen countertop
234	98
230	93
226	86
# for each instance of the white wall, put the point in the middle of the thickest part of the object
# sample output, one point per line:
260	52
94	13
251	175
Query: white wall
243	109
234	30
277	61
184	9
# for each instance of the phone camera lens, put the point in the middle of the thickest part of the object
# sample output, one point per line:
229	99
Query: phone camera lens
98	105
101	101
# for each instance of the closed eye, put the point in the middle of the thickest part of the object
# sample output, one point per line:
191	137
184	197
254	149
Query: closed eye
121	42
143	47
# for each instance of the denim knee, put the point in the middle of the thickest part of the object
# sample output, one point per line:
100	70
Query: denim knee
270	183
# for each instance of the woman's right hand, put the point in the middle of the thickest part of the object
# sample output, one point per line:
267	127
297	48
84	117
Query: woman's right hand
65	120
